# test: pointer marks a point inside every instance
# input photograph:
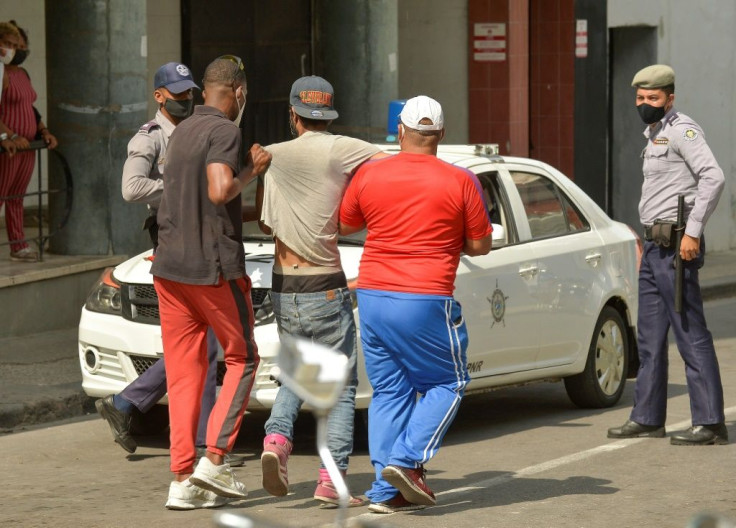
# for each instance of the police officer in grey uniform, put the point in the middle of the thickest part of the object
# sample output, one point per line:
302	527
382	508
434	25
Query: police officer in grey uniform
143	183
677	161
143	170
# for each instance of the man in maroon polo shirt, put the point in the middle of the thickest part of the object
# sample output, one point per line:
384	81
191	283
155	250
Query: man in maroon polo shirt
199	275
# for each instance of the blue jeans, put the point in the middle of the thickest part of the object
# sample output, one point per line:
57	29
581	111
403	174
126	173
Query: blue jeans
326	318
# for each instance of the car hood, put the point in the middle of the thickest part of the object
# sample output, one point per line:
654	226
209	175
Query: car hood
258	265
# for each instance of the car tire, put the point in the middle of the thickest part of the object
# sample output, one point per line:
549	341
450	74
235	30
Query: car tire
360	431
602	382
154	422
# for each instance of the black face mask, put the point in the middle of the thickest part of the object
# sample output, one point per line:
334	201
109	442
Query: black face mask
19	57
650	114
179	109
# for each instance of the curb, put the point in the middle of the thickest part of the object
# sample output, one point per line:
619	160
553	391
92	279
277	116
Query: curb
718	289
20	415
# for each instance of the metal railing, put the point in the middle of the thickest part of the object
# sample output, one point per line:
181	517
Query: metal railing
67	189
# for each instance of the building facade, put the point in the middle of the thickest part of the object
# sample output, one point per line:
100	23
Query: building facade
547	79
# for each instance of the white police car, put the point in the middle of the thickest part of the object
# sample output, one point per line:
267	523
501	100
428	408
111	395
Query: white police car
556	298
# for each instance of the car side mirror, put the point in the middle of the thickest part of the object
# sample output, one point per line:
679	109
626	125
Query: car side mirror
498	237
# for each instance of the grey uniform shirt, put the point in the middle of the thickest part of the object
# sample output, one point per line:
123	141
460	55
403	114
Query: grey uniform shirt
677	160
144	169
303	188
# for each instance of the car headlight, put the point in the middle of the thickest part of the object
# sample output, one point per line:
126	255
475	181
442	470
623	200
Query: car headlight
105	295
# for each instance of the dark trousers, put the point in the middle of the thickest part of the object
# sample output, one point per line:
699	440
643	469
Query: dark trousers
148	388
694	341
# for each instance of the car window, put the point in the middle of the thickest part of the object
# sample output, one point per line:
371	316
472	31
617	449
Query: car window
492	197
549	211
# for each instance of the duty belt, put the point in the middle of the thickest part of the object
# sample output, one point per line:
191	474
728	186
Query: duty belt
661	232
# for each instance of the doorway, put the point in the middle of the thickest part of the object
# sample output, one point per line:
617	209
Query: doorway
632	48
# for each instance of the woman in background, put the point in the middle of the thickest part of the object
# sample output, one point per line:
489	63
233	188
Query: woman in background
22	123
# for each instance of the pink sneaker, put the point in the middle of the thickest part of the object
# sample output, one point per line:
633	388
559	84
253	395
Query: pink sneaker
276	451
327	493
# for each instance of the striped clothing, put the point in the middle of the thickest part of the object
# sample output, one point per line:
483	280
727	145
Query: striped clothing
412	344
16	111
187	310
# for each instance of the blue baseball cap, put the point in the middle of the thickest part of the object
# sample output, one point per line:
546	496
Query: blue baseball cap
175	77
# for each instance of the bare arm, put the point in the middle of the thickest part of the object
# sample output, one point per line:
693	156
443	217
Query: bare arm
47	136
223	187
474	248
349	230
8	144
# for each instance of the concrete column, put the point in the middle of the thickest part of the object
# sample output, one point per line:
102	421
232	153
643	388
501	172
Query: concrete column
97	98
357	51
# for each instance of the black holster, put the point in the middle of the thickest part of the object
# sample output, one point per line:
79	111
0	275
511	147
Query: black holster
663	234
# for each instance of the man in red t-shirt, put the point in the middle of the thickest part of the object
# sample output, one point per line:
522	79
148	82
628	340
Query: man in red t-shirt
421	214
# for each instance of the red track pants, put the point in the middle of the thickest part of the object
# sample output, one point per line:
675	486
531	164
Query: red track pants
186	312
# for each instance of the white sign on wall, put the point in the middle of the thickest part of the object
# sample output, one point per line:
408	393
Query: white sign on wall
581	38
489	42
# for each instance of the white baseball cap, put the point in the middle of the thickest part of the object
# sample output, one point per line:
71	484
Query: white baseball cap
422	107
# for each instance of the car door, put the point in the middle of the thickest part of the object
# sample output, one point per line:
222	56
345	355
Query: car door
568	254
497	291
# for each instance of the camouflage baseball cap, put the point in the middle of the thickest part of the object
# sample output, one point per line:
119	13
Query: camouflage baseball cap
654	76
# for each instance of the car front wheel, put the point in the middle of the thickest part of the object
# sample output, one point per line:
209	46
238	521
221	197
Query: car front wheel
602	382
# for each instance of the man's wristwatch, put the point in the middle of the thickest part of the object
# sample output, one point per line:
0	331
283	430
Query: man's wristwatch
3	136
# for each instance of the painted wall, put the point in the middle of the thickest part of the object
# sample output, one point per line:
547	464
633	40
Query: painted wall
698	41
433	49
374	51
162	40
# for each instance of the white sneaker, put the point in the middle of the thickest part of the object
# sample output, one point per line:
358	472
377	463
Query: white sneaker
187	496
219	479
24	255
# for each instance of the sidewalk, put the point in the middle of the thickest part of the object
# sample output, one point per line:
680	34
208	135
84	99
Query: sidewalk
40	379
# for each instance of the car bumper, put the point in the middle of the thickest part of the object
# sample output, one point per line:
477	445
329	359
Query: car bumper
113	351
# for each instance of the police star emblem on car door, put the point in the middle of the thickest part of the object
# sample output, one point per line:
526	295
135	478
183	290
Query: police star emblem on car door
498	305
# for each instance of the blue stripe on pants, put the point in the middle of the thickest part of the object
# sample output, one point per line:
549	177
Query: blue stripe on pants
413	345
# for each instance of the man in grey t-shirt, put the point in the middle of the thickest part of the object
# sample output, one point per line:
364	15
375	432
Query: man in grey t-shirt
299	199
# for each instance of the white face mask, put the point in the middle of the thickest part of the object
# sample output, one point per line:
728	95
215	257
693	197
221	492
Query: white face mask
9	54
240	108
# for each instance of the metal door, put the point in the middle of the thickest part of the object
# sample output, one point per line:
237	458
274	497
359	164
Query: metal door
632	48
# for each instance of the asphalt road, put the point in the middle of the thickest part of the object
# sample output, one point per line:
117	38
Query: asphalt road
521	457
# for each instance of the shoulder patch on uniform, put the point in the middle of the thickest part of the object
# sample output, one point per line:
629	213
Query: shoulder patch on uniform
690	134
149	126
661	141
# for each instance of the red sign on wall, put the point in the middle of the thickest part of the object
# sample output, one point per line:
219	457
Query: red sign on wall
581	38
489	42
